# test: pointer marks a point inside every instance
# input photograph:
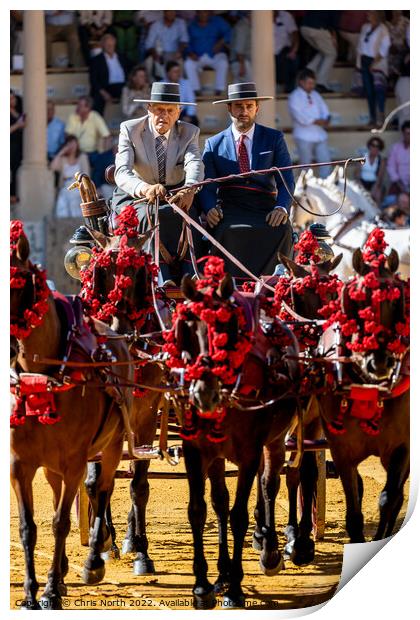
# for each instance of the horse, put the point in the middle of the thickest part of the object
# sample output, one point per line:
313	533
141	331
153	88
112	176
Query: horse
306	301
132	315
351	226
213	347
81	414
371	416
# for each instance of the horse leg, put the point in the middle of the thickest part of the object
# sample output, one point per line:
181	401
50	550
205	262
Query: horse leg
271	560
304	548
220	503
350	479
203	591
22	477
56	483
239	520
292	528
100	491
51	598
392	496
113	552
259	511
139	490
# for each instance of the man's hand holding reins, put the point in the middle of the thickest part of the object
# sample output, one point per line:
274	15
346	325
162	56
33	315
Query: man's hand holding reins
276	217
214	216
183	199
154	191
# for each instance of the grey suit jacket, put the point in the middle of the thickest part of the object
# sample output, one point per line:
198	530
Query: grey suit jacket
136	162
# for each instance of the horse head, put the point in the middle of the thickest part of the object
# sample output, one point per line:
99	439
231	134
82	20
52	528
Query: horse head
204	336
375	305
117	281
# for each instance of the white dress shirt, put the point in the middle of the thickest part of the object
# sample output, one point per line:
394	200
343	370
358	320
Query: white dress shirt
169	36
115	70
305	108
248	141
283	27
373	42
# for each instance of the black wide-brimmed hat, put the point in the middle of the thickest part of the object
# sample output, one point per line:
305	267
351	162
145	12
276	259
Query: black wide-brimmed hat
165	92
244	90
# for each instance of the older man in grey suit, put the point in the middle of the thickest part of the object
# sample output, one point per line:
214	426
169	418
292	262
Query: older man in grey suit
158	153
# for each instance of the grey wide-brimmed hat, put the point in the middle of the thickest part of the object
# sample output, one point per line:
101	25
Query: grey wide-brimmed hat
165	92
238	92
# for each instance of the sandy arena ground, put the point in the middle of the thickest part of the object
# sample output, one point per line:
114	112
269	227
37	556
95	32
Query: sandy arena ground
170	546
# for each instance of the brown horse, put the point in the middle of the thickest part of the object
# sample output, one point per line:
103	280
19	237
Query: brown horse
353	439
239	437
91	422
299	545
143	411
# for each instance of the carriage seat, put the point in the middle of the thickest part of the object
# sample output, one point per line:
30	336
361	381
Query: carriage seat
109	174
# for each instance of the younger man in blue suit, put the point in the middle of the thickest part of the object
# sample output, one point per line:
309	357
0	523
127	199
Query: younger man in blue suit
250	216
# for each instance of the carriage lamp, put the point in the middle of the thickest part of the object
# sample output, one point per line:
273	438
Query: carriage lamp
77	258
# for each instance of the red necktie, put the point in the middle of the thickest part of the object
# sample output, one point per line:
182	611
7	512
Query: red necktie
243	158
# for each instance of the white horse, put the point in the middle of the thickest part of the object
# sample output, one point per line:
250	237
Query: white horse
350	227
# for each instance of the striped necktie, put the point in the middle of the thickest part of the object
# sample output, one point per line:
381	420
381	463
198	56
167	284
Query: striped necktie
161	157
243	158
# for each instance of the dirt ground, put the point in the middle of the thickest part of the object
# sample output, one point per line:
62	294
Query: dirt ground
170	546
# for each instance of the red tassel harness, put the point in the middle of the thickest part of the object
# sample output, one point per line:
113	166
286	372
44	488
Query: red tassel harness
128	257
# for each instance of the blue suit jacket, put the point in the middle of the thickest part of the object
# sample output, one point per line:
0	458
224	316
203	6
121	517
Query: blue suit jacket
268	149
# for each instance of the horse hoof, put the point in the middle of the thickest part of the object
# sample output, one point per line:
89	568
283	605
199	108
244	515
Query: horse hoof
50	601
270	571
221	585
90	576
62	589
257	541
288	550
127	546
204	600
303	554
143	566
230	602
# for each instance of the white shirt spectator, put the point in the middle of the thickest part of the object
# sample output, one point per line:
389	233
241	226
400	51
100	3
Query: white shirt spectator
60	18
284	25
248	142
373	42
115	70
305	108
169	36
148	17
97	18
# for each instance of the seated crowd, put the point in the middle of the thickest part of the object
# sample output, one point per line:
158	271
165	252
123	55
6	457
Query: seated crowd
126	51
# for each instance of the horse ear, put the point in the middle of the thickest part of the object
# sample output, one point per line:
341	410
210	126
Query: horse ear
226	287
101	239
393	261
23	249
334	262
188	287
297	270
359	264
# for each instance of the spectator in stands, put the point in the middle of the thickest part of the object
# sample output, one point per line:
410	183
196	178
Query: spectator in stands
94	138
311	116
92	27
396	216
144	21
16	34
62	26
55	131
67	162
286	46
349	27
137	87
173	75
397	28
372	174
319	30
402	87
166	40
240	50
107	74
372	60
399	163
125	30
209	39
17	125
